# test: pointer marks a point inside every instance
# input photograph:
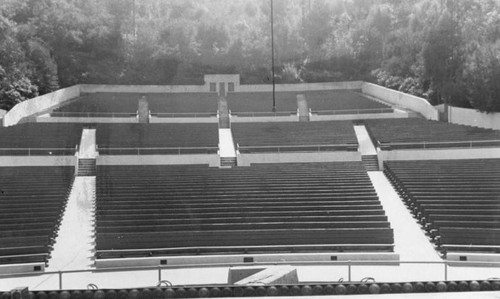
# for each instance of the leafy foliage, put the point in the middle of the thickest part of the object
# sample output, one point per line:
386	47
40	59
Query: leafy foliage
444	50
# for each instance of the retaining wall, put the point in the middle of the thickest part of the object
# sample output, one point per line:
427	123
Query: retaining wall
301	86
401	99
305	157
211	160
471	117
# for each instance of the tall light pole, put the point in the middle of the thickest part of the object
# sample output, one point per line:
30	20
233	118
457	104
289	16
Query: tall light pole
272	57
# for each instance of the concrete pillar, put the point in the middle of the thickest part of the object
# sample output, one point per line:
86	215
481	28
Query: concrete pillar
303	107
143	110
223	113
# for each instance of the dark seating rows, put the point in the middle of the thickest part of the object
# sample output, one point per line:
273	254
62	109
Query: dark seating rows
421	133
57	138
32	201
97	104
157	138
456	200
143	210
295	136
322	102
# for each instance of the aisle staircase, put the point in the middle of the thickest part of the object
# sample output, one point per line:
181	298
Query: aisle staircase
228	162
86	167
370	162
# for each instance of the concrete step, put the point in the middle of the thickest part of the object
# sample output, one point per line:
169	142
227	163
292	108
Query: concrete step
86	167
228	162
370	162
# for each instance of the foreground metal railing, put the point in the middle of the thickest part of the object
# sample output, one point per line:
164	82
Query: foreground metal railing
349	268
38	151
156	150
184	114
94	114
353	111
298	148
437	144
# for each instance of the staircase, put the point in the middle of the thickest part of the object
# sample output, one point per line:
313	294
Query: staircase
86	167
228	162
370	162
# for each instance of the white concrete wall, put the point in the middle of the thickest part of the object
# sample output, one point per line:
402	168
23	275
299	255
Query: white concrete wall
301	86
440	154
39	104
162	120
401	99
212	160
247	159
395	114
37	161
471	117
260	119
92	88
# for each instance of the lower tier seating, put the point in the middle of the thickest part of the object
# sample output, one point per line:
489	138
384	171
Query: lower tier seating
152	210
32	202
455	200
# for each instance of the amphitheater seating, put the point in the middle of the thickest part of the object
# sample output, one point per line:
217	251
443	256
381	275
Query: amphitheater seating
420	133
320	102
32	201
144	210
173	138
40	139
456	200
295	136
126	104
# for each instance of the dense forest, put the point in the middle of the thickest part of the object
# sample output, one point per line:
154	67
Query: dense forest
447	51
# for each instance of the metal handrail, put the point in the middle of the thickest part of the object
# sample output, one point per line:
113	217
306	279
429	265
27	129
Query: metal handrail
31	150
426	144
350	264
93	114
143	150
316	147
184	114
354	111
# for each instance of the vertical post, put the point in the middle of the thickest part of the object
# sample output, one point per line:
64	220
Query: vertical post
60	280
159	273
445	271
349	266
272	56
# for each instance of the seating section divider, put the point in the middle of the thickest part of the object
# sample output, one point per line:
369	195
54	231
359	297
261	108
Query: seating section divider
162	210
32	203
456	201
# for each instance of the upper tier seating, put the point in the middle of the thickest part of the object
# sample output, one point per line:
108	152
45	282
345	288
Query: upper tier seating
126	104
144	210
420	133
321	102
32	201
40	139
456	200
295	136
157	138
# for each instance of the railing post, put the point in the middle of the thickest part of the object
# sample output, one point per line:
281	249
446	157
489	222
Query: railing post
138	153
446	271
349	270
29	151
60	280
159	273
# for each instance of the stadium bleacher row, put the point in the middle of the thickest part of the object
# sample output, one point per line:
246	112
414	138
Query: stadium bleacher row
144	210
41	139
295	136
411	133
455	200
32	202
119	139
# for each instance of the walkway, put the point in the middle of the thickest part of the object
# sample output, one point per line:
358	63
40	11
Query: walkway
410	241
226	144
87	144
74	246
365	143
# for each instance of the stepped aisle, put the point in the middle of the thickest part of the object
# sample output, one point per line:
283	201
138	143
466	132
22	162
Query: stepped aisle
74	246
410	241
